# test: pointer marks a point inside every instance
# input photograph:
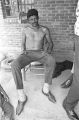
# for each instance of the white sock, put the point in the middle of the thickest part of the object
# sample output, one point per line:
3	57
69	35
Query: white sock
72	71
46	88
21	95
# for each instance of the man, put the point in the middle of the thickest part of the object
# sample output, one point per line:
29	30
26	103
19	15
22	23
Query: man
73	96
34	38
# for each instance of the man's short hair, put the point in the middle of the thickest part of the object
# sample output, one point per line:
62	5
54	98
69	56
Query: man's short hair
32	12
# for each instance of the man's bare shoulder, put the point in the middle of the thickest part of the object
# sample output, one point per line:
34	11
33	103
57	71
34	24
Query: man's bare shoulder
26	28
44	28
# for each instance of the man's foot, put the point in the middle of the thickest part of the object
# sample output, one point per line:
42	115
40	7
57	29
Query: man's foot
20	106
66	84
50	96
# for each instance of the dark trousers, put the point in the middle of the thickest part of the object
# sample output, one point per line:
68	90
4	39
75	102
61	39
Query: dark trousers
25	59
73	96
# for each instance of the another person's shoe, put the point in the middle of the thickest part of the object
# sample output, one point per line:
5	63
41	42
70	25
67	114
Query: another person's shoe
20	106
50	96
71	113
68	82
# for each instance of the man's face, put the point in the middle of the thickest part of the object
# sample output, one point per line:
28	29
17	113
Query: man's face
33	20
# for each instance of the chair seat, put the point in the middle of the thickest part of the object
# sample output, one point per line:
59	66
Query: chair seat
36	63
37	68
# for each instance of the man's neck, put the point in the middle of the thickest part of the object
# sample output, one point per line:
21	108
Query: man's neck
36	27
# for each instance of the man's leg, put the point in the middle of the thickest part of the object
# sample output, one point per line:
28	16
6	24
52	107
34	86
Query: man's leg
16	67
49	63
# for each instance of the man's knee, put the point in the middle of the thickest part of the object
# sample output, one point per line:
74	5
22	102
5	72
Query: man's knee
51	61
14	64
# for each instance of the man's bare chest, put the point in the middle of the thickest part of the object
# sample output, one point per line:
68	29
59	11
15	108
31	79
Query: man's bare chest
35	35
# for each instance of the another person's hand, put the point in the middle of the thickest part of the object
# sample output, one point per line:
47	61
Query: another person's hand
6	98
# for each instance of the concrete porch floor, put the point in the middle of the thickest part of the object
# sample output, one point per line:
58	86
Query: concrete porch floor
38	107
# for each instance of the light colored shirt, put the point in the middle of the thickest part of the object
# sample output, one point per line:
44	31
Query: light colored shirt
76	26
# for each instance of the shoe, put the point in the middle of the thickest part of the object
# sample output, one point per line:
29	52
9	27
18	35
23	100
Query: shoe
50	96
68	82
71	113
20	106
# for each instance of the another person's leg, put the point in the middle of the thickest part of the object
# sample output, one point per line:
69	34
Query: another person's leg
49	63
69	80
8	110
73	96
71	100
7	107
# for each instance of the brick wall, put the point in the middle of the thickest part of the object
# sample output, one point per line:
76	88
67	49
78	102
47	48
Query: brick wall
58	15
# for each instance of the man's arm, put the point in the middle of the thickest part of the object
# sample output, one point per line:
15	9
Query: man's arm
49	41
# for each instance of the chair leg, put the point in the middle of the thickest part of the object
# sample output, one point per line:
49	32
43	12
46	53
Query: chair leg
24	74
24	71
28	67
